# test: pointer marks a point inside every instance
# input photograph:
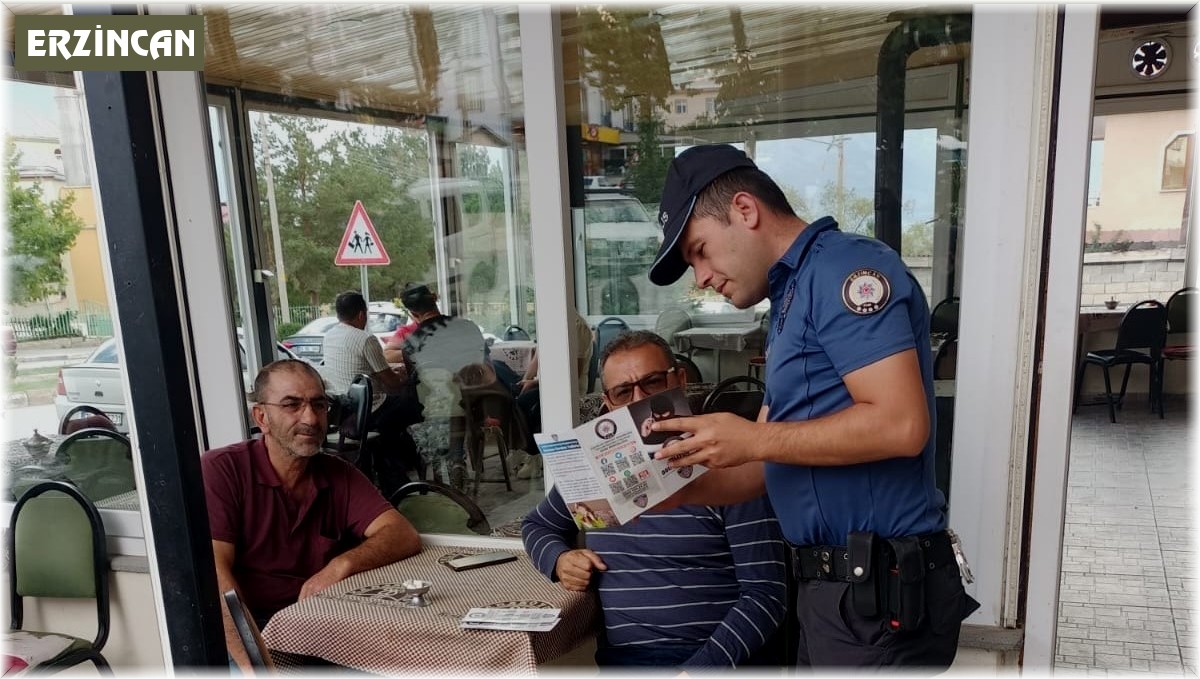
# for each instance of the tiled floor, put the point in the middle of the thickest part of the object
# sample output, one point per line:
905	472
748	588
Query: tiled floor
1127	592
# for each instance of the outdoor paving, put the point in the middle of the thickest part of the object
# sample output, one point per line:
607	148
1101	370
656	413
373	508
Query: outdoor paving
1127	595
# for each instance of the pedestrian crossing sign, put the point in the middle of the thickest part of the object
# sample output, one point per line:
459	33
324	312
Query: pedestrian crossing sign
360	244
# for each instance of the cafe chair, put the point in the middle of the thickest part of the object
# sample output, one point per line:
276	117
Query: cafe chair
98	461
727	397
353	433
84	417
670	322
606	331
689	368
491	415
945	363
1144	326
943	320
514	333
433	507
56	549
1179	324
247	630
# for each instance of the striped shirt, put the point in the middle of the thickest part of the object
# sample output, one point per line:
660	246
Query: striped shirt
713	576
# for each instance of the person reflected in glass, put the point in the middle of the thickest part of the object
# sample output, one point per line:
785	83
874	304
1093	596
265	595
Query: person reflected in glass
432	354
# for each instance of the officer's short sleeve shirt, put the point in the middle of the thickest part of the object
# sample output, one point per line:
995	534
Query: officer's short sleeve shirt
839	303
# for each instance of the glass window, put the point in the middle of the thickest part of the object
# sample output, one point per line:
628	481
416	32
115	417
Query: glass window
64	372
1177	163
795	88
430	141
1095	172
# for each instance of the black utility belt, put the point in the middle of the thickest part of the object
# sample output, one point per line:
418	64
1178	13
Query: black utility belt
834	562
886	576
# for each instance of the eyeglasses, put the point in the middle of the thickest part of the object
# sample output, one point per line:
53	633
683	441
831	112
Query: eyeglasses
294	406
650	384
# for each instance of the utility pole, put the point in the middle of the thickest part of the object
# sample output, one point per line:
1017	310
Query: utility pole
280	275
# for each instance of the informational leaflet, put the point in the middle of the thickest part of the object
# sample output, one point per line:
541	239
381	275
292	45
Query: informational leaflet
607	471
513	619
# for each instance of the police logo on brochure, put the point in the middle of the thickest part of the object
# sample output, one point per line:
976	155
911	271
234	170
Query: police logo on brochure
866	291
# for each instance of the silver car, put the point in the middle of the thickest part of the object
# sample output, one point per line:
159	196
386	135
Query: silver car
97	382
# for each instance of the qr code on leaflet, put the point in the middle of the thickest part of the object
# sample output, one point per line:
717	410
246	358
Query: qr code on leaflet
635	491
608	469
615	487
636	457
632	482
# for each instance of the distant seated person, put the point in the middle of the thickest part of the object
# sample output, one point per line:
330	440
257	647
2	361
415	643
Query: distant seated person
441	346
529	399
286	520
687	588
351	351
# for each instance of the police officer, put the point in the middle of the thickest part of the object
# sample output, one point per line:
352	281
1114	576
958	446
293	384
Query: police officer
843	445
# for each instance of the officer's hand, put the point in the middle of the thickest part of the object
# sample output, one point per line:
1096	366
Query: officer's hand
717	440
574	568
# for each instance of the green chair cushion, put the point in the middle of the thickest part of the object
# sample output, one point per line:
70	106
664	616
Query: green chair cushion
435	513
54	549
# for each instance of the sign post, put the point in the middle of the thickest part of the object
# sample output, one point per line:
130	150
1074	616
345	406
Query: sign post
361	246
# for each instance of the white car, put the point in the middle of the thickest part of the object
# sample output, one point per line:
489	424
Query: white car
308	343
97	382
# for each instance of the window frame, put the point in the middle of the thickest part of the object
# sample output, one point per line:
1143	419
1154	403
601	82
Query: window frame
1188	161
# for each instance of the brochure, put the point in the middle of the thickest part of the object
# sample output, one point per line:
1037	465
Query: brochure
517	619
606	469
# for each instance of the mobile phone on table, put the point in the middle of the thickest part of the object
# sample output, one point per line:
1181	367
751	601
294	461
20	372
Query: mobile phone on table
466	563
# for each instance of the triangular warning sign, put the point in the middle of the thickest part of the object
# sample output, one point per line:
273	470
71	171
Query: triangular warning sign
360	244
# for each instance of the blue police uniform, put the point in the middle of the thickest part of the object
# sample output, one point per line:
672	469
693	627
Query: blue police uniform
840	302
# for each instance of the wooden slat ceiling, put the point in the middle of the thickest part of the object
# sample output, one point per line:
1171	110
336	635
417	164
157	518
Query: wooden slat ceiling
411	58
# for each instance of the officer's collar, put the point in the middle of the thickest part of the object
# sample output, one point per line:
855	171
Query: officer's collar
799	247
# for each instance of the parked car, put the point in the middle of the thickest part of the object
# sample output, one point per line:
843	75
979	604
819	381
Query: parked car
97	382
620	243
308	343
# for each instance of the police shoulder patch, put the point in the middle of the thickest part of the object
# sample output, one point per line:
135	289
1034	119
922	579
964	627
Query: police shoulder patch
866	291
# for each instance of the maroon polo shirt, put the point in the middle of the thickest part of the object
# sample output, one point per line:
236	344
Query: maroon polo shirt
279	544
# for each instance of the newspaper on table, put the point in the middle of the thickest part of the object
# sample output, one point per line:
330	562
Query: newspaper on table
512	619
607	471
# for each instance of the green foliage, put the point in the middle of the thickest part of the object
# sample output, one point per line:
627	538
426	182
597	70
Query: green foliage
1118	243
917	240
624	56
649	171
316	184
39	234
474	163
483	276
285	330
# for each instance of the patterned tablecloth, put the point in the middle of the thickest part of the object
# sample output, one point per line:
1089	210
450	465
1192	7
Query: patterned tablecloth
516	353
362	622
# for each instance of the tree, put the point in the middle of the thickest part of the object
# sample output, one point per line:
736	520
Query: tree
648	171
316	185
917	240
39	234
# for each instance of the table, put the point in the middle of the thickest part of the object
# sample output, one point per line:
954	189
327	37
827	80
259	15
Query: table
720	338
102	470
361	622
515	353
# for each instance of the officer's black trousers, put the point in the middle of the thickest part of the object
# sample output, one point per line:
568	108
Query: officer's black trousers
832	634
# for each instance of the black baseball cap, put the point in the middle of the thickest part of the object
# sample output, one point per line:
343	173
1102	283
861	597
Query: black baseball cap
689	173
416	293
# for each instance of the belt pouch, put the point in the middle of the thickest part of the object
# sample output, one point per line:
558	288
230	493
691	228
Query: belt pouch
861	554
908	601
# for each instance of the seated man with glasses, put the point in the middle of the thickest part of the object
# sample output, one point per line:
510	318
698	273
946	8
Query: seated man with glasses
286	520
691	587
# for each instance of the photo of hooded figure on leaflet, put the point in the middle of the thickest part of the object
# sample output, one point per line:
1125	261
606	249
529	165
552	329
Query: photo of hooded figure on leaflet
662	406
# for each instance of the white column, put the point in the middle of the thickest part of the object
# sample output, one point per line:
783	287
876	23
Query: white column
1052	447
1012	69
541	61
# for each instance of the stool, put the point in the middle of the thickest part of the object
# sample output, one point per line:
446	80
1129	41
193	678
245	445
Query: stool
492	428
755	366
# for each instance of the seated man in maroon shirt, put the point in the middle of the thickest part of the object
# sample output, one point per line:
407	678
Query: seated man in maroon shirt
286	520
